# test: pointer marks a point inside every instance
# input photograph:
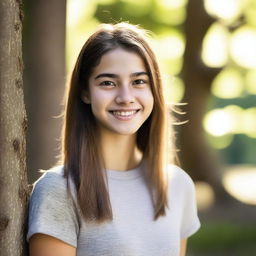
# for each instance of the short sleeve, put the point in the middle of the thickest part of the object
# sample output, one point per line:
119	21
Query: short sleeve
51	209
190	222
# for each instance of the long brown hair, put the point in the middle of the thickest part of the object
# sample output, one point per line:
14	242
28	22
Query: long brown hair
81	156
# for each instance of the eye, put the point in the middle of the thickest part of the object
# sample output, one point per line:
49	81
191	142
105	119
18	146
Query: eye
107	83
139	82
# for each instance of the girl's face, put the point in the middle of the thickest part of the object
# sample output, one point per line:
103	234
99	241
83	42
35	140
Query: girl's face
120	93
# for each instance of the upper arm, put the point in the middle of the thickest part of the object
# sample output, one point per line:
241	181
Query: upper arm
183	247
189	220
51	210
44	245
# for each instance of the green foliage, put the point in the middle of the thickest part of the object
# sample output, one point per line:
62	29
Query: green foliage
222	238
165	18
148	13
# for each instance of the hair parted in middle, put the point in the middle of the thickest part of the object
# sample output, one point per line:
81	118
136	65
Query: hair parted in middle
81	154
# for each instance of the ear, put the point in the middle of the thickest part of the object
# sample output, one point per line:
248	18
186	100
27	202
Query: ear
85	97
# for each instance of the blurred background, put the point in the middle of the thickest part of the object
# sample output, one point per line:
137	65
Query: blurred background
207	51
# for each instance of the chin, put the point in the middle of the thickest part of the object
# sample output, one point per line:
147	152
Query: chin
125	131
120	129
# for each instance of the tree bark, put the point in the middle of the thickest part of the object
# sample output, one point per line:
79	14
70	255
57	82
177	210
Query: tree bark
199	160
44	79
13	177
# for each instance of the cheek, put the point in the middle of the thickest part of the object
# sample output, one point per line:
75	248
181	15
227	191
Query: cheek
99	100
148	99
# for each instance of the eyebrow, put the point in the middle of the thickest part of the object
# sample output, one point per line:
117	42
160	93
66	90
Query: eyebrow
135	74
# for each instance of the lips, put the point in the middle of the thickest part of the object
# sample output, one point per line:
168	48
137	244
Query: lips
124	114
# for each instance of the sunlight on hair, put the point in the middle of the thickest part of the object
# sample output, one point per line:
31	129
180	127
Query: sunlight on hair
204	195
215	46
250	80
240	182
243	47
225	9
219	122
228	84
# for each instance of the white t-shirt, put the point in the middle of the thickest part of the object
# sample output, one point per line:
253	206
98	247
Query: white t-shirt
133	231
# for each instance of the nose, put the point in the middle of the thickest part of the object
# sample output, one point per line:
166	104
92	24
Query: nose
125	95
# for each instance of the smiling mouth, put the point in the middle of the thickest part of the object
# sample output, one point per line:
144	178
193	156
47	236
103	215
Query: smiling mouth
124	114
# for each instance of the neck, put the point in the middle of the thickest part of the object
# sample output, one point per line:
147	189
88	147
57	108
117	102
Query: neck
120	152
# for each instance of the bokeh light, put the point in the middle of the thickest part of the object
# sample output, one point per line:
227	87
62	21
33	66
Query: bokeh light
249	122
220	142
170	46
250	81
240	181
204	195
219	122
77	10
215	46
80	23
173	89
243	47
172	3
226	10
170	12
169	15
231	119
250	14
137	8
228	84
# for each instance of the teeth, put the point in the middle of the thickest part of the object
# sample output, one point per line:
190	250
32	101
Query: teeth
124	113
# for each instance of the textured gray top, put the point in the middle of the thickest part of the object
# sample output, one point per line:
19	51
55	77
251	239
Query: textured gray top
133	232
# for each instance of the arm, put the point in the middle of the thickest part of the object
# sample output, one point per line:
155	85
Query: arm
44	245
183	247
53	223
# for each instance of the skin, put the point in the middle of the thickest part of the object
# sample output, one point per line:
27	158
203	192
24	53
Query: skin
44	245
115	85
183	247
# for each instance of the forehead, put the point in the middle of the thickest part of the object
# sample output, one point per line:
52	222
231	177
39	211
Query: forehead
120	61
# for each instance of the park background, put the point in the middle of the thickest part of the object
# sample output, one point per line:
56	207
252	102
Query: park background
207	50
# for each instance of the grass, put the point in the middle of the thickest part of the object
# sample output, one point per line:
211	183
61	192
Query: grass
223	239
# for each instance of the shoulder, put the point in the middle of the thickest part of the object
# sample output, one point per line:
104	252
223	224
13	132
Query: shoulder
52	181
53	175
178	177
51	208
182	195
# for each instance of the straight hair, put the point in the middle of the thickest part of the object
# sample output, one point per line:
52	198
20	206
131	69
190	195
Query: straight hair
81	155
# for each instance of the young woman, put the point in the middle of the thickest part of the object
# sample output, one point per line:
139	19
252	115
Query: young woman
115	194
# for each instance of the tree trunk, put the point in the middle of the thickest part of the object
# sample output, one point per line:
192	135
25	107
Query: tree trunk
197	157
44	58
13	178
